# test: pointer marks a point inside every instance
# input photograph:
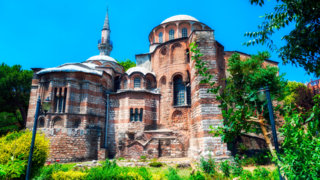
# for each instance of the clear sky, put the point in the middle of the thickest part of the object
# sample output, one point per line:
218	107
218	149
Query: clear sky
43	33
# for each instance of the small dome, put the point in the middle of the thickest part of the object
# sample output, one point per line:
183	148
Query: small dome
101	58
142	70
179	18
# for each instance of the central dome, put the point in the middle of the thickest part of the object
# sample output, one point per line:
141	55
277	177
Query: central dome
179	18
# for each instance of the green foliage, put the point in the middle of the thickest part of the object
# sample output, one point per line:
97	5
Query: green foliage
240	100
143	158
127	64
301	145
208	166
236	168
302	45
14	153
8	122
225	168
110	170
172	174
69	175
15	85
155	164
197	176
299	95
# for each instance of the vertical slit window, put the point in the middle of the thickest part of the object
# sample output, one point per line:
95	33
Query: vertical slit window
136	115
171	34
64	100
160	37
60	100
131	115
137	82
55	104
141	114
125	84
184	32
149	85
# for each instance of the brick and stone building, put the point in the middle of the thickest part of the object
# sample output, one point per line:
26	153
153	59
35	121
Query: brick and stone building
156	109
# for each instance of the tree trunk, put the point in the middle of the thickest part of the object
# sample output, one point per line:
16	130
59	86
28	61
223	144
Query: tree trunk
24	117
266	137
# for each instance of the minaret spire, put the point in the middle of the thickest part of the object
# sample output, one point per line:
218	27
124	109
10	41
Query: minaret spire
106	25
105	45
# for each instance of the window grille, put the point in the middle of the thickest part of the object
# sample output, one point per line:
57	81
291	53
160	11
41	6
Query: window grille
184	32
160	37
179	91
137	82
171	34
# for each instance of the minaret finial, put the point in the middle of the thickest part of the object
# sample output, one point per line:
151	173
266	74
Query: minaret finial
106	21
105	45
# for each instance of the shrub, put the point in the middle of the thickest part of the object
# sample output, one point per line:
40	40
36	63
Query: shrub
261	173
143	158
110	170
208	166
172	174
155	164
69	175
245	175
225	168
236	167
120	158
14	153
197	176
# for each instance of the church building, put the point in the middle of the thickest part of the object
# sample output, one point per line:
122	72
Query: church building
156	109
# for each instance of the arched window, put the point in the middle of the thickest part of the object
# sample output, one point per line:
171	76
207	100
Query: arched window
184	32
125	84
137	82
160	37
171	34
57	122
149	84
178	91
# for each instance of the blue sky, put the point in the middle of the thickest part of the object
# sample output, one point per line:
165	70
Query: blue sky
42	33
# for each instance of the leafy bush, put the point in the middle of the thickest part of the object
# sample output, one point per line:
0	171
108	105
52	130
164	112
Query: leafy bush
69	175
143	158
245	175
14	153
236	167
261	173
46	171
110	170
8	122
155	164
172	174
208	166
120	158
225	168
197	176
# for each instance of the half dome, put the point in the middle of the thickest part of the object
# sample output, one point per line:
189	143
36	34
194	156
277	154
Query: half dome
179	18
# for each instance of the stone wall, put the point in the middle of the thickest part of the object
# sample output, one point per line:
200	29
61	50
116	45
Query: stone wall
204	110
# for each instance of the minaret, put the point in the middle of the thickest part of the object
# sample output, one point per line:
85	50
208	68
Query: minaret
105	45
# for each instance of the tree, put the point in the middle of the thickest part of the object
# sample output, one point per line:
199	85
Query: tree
301	144
299	95
127	64
302	43
15	85
241	108
244	113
